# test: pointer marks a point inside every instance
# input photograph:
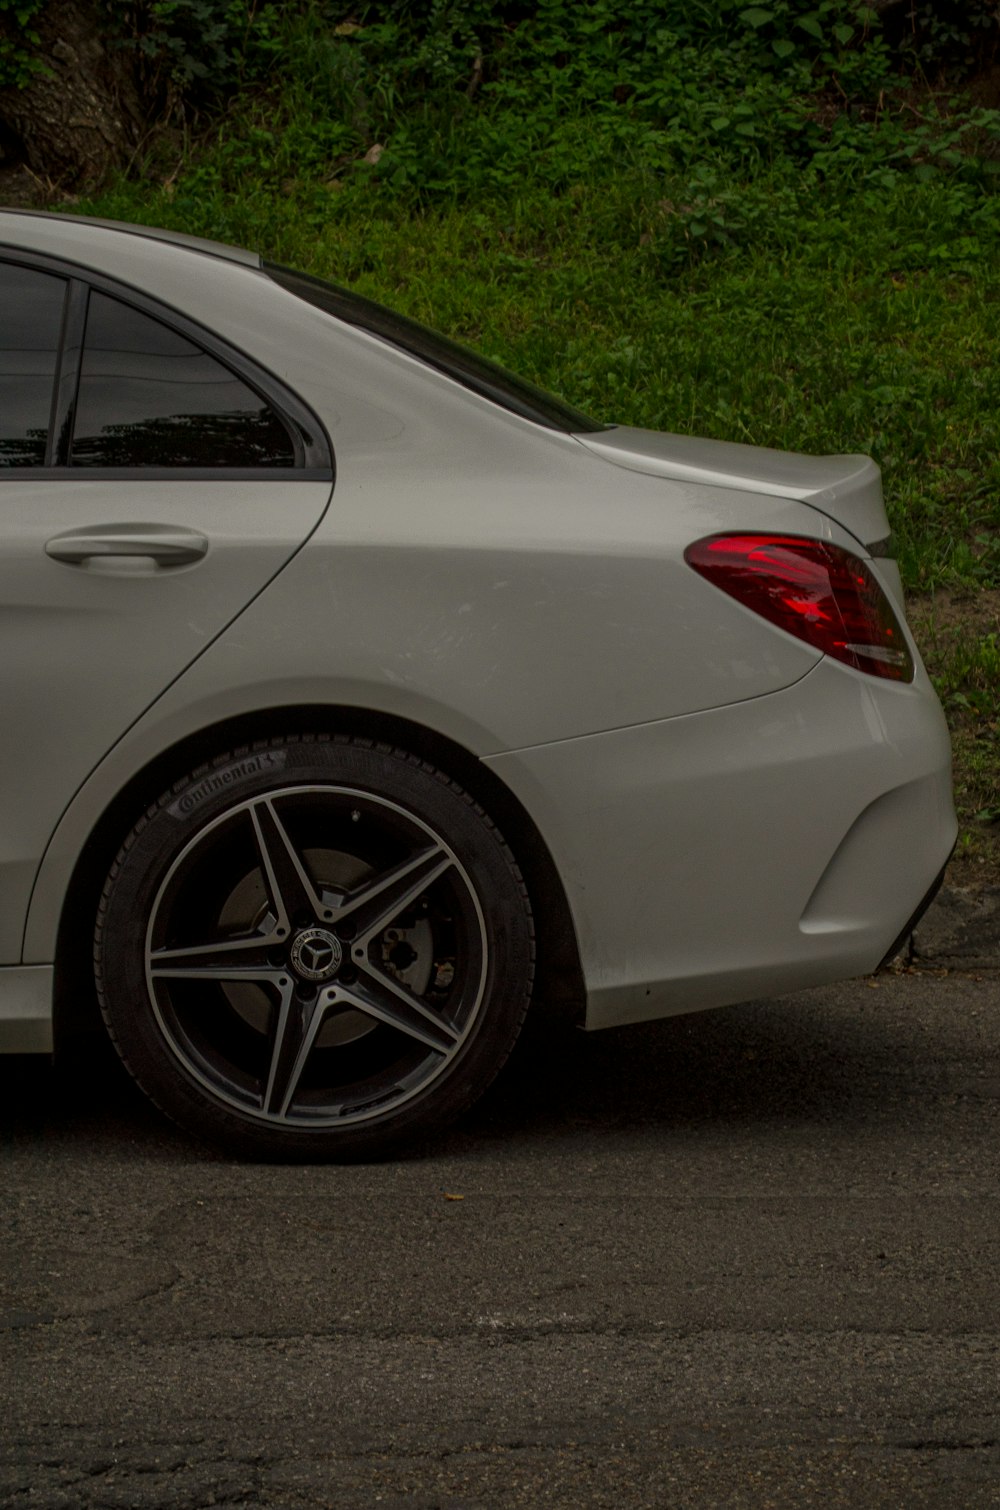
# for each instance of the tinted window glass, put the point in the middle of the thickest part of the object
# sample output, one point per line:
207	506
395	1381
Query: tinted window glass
458	362
31	311
150	398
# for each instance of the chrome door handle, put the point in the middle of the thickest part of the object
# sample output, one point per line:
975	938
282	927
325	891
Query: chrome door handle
160	542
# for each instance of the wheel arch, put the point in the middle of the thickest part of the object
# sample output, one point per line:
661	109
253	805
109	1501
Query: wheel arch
558	979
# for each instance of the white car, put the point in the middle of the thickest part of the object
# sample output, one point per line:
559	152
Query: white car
357	697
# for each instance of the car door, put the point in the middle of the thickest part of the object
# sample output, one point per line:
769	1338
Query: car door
151	484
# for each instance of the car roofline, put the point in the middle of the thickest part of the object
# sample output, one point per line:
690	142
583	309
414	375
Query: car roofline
153	233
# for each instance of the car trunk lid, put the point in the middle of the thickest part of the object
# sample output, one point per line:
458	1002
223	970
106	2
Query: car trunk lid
846	488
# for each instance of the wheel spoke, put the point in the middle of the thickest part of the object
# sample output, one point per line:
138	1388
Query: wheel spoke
288	884
296	1026
227	959
389	1002
375	903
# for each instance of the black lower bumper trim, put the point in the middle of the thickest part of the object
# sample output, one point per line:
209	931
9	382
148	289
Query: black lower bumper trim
904	933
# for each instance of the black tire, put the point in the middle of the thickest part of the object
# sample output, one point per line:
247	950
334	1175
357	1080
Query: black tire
314	948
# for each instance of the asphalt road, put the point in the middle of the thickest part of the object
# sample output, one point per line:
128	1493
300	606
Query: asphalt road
747	1258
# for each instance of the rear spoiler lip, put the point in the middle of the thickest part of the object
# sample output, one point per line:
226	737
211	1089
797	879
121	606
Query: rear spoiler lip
847	488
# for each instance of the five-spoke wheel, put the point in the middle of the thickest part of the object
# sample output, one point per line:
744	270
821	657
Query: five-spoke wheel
315	949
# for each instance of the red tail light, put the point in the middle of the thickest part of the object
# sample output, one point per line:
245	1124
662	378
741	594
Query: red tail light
818	592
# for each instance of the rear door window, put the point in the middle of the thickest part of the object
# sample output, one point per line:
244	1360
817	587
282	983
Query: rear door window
31	317
149	397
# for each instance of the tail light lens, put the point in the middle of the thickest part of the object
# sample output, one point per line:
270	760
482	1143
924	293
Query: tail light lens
818	592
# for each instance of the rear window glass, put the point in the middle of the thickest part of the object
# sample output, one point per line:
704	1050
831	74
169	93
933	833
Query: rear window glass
149	397
478	373
31	312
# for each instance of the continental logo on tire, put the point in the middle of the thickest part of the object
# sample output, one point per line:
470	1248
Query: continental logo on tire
226	776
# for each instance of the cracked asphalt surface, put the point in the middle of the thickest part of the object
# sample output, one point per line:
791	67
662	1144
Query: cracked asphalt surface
746	1258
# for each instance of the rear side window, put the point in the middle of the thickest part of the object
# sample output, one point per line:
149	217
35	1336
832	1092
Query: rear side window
148	397
31	315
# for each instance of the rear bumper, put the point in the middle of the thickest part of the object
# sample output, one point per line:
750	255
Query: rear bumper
762	847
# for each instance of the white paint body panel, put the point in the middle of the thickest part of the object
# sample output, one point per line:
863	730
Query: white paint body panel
86	649
747	850
848	488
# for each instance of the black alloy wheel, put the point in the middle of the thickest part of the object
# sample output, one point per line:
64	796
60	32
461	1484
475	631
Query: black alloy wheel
316	948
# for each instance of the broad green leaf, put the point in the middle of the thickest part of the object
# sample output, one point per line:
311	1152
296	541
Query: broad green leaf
756	16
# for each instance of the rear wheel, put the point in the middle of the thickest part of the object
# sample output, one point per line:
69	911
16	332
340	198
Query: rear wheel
314	949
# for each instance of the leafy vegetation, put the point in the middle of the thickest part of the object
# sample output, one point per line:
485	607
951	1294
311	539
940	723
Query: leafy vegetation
775	223
199	49
18	41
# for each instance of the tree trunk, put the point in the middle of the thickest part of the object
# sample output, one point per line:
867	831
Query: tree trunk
80	118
